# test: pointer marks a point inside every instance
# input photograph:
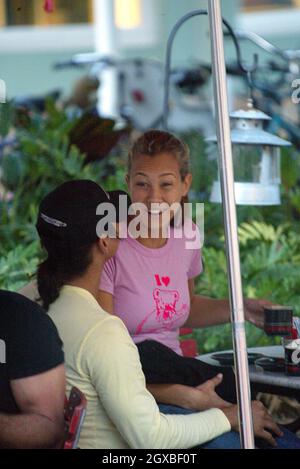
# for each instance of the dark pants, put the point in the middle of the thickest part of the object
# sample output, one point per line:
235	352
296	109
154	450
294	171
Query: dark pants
161	365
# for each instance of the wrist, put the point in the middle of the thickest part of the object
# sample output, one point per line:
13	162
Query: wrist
225	307
232	416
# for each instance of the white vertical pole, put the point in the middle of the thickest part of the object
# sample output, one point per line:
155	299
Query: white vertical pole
105	35
230	223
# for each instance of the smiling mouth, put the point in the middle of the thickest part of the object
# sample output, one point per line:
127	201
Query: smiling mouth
155	212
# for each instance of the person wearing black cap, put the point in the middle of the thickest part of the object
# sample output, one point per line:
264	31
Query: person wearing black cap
69	221
32	377
101	358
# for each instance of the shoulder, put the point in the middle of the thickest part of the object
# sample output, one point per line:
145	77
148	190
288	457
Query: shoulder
15	301
123	248
122	257
33	342
109	329
106	339
188	236
18	308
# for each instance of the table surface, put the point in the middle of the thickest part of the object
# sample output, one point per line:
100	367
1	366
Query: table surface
260	376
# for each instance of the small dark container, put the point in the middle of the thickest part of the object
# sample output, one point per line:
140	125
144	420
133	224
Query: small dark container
292	365
273	364
278	320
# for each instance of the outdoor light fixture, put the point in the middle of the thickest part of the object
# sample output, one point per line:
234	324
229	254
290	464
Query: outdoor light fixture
256	159
261	170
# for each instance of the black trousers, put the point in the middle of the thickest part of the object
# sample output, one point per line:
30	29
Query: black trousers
161	365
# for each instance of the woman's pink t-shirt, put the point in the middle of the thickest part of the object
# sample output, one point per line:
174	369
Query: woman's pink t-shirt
150	288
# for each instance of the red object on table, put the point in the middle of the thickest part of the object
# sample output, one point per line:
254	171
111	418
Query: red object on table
188	346
185	330
49	6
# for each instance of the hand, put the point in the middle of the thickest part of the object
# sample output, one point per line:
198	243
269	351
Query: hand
263	423
254	311
206	397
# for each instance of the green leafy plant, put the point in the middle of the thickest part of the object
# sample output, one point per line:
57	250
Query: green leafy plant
18	266
43	158
270	266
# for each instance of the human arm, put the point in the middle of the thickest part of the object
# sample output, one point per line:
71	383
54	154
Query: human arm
197	398
130	407
264	426
206	311
40	424
187	397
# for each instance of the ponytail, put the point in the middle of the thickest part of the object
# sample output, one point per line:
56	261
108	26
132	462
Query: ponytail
49	283
61	266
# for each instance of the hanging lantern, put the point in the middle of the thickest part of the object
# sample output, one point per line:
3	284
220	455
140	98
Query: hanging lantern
256	159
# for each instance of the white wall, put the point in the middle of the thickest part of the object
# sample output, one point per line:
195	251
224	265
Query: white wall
27	57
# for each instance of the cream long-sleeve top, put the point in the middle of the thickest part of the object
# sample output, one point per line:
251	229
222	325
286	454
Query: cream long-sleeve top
103	362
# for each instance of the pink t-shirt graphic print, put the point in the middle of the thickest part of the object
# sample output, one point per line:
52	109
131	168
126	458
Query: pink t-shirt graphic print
166	311
150	288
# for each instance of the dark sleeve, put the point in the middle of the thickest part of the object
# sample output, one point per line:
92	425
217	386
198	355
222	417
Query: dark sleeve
34	344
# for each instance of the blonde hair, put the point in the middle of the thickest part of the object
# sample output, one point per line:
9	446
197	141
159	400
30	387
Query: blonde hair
155	142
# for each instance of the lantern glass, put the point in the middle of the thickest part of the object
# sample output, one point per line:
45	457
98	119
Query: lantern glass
255	158
256	163
256	175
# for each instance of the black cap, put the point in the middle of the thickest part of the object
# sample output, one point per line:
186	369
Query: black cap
67	215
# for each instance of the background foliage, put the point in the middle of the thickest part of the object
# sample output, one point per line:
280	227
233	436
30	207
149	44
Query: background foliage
42	157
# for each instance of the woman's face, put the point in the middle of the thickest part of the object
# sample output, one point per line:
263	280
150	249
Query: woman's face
157	180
